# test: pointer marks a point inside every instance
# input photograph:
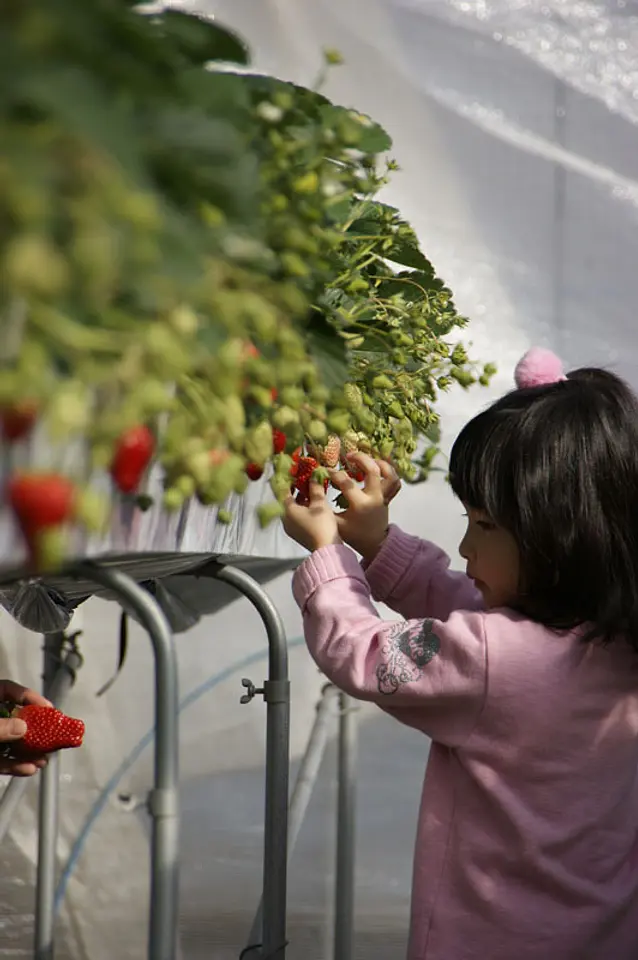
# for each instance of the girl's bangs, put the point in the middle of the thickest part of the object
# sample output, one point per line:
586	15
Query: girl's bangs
476	465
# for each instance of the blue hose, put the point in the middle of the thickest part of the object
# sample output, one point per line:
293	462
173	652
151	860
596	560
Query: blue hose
134	755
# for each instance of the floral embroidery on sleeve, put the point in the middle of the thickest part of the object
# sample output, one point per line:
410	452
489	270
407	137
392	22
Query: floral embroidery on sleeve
407	650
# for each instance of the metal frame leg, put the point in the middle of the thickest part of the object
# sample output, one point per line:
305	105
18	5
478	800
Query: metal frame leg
304	783
48	804
276	693
346	831
163	799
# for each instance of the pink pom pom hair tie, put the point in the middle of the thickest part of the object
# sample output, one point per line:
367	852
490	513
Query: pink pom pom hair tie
539	367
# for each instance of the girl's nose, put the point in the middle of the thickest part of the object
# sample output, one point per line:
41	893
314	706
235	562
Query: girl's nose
464	547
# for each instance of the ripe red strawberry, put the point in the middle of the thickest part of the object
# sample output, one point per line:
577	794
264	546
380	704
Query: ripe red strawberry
48	729
17	421
302	471
254	471
132	456
40	501
278	440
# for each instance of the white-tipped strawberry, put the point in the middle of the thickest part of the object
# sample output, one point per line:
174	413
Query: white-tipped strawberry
331	452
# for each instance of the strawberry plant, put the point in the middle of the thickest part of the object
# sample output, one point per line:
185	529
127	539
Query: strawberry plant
195	269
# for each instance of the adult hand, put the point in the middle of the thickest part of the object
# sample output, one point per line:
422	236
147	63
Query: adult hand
364	525
12	730
313	525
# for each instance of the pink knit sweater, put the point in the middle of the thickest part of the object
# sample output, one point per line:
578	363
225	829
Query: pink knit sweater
527	844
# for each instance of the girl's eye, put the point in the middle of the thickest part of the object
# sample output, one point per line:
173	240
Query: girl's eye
486	525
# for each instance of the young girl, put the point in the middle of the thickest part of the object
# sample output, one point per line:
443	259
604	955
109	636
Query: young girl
523	671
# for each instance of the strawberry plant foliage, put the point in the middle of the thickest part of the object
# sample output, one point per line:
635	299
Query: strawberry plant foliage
201	252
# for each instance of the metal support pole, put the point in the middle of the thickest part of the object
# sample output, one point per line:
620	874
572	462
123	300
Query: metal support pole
48	803
276	693
62	683
163	799
346	831
304	783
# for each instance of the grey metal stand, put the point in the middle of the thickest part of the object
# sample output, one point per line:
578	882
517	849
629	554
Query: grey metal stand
346	830
58	677
304	783
163	799
276	693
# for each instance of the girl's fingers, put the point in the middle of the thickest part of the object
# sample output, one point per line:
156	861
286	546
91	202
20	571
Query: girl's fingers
344	484
16	693
370	470
316	494
391	482
386	469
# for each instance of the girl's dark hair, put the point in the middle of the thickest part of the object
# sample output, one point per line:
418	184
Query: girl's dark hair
557	466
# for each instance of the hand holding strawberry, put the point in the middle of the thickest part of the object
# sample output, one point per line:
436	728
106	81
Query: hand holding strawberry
13	730
364	524
315	525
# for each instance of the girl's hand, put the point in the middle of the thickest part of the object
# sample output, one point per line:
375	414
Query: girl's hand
315	525
364	525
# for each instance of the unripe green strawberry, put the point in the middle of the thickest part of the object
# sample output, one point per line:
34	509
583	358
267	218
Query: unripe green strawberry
352	395
234	419
350	441
386	447
318	431
70	410
33	265
92	510
339	421
184	320
284	418
283	464
185	485
224	516
258	443
267	512
382	382
199	466
293	397
172	500
280	485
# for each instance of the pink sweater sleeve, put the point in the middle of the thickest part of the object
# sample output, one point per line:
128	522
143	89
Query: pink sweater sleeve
430	674
412	576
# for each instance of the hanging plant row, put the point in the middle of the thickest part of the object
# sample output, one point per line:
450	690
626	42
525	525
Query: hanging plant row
195	272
